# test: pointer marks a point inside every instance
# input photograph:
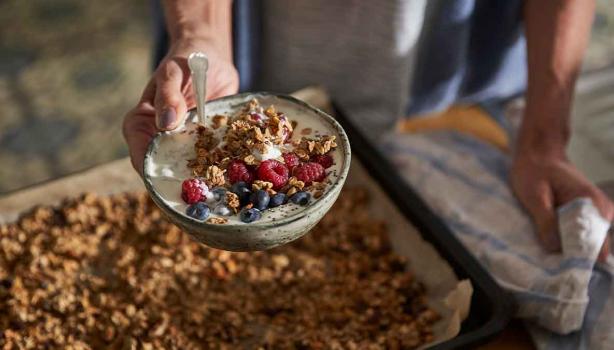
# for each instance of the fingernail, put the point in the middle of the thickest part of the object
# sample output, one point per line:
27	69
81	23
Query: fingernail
167	118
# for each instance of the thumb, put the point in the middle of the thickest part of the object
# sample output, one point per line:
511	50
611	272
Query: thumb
540	204
169	101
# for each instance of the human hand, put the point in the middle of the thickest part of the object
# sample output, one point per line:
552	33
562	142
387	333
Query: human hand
543	179
168	95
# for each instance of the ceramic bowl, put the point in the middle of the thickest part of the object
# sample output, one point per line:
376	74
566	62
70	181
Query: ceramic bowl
275	228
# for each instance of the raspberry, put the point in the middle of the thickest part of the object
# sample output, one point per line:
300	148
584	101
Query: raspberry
193	190
239	171
291	160
274	172
324	160
309	172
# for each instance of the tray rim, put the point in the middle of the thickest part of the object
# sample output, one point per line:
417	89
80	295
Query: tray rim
433	229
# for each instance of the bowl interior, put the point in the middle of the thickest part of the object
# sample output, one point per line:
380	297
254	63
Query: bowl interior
165	162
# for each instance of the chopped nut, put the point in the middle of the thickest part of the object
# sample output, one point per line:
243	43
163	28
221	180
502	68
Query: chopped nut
291	191
262	185
217	221
232	200
219	121
302	154
258	135
294	182
250	160
271	112
214	176
319	145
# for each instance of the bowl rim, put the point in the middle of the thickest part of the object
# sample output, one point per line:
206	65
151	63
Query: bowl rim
331	192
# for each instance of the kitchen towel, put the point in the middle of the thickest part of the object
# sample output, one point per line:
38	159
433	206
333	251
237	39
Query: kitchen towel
465	181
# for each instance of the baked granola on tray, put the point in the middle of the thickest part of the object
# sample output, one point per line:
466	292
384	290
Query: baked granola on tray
102	272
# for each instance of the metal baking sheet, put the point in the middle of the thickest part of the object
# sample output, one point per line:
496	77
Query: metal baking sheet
436	257
491	307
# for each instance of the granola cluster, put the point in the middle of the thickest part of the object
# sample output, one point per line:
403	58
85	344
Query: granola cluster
254	150
111	272
254	129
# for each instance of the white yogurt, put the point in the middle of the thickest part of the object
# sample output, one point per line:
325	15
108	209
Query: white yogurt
271	152
168	166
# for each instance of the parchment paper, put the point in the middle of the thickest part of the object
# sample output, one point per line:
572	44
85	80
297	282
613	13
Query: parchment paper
446	294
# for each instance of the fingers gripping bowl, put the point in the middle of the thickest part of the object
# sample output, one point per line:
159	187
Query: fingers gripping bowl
170	160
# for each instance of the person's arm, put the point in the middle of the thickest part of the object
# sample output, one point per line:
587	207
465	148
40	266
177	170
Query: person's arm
193	20
193	25
557	33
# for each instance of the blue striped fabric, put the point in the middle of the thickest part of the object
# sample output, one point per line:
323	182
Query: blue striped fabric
465	181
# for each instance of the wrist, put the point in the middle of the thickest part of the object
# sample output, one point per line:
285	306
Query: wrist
184	46
545	127
201	21
541	141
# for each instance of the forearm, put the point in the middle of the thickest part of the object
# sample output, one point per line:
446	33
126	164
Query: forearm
209	20
557	33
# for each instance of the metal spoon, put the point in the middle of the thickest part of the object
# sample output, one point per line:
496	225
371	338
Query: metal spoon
198	63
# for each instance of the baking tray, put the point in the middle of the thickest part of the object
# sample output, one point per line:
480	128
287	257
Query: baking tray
491	307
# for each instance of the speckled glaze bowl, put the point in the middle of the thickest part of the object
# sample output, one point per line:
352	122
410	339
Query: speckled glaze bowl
273	229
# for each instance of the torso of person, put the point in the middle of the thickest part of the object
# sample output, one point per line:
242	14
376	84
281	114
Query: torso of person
361	52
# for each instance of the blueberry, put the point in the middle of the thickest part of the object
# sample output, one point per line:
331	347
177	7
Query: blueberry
199	211
237	186
241	190
222	209
250	215
219	193
244	197
300	198
260	199
277	200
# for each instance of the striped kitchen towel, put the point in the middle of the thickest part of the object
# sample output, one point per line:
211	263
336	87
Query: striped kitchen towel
567	301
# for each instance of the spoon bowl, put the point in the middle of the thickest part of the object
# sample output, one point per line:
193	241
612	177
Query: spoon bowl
165	168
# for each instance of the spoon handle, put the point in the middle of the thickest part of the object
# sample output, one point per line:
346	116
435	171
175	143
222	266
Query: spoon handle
198	63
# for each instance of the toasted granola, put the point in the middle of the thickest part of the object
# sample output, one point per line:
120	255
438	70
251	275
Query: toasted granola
316	145
214	176
248	137
262	185
217	221
111	272
232	200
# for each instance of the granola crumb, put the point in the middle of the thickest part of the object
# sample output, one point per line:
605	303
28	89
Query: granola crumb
232	200
262	185
219	121
217	221
214	176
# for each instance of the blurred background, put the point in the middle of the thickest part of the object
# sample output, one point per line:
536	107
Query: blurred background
70	69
